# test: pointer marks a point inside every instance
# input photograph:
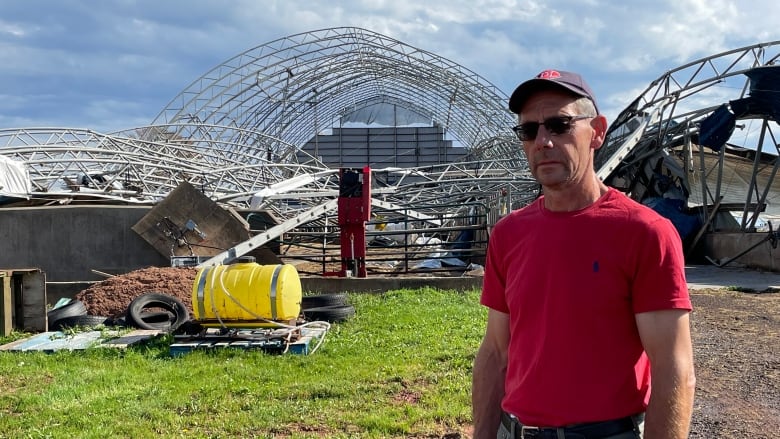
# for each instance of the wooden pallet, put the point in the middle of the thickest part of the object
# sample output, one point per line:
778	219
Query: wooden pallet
249	339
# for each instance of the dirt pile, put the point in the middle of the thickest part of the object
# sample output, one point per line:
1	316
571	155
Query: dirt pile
111	297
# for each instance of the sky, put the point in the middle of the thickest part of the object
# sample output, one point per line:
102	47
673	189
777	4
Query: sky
114	65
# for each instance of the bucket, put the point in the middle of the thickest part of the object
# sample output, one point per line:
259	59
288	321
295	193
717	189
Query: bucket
246	294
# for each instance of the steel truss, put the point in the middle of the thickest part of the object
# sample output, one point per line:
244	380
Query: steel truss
237	130
665	122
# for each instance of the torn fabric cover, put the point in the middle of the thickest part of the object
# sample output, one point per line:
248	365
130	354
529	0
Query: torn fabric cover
716	129
14	179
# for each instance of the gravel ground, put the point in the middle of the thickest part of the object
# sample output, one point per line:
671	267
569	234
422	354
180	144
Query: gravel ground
736	342
737	352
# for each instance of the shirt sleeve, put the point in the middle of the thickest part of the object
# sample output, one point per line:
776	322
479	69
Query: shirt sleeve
494	280
659	281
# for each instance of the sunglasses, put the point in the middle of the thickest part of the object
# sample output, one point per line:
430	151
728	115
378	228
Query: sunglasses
555	125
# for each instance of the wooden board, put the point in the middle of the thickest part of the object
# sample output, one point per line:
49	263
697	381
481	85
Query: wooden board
220	228
308	341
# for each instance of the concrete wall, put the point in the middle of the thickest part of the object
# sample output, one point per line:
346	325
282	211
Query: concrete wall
67	242
723	246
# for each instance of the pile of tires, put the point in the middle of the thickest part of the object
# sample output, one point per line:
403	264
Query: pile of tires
151	310
73	315
332	307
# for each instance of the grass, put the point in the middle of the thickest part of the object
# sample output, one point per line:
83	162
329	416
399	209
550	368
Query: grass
401	367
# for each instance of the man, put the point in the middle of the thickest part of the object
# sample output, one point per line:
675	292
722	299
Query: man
585	290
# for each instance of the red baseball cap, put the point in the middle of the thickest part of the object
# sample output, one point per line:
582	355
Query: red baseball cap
569	81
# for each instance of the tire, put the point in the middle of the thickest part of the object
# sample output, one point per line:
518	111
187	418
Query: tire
175	310
73	308
82	321
333	314
321	300
156	316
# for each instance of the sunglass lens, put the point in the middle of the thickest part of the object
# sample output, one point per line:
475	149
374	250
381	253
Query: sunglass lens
558	125
554	125
528	131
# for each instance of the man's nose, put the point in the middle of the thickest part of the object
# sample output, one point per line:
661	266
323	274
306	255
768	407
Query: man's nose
543	138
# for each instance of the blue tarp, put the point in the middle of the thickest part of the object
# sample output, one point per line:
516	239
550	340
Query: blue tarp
672	209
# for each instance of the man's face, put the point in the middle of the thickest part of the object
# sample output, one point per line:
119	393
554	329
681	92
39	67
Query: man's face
564	159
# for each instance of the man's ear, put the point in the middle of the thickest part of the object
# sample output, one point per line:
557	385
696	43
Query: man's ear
599	125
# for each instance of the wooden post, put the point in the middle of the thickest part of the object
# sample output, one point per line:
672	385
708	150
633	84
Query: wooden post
6	304
33	291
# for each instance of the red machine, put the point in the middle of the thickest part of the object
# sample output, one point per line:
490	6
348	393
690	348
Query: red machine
354	206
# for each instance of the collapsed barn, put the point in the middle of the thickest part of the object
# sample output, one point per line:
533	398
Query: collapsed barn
265	153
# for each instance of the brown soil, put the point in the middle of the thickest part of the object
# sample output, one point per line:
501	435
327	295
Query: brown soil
111	297
736	341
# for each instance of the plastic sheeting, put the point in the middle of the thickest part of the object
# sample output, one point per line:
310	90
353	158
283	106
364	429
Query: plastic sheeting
672	209
386	115
716	129
14	179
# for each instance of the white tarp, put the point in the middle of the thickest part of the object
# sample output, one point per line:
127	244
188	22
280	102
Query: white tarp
14	179
384	114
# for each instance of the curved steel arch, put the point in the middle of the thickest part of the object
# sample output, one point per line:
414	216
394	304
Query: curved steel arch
286	87
669	97
669	113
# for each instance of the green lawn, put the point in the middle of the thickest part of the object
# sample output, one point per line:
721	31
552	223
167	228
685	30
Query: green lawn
401	367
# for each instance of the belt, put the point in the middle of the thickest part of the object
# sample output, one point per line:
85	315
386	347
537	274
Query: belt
592	430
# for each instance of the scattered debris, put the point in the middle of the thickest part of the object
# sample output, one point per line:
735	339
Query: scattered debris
53	341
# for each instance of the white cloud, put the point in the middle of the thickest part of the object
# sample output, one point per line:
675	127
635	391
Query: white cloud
691	28
11	29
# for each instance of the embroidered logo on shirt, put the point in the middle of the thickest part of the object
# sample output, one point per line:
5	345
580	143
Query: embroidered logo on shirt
595	266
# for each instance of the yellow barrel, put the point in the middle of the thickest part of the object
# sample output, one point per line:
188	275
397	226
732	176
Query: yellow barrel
246	294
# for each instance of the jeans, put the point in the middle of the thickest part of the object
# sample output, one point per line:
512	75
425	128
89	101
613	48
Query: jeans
639	423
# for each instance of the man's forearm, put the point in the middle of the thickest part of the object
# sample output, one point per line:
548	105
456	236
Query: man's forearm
486	394
671	404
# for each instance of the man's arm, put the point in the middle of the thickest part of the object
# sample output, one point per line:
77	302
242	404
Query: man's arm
489	373
666	337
